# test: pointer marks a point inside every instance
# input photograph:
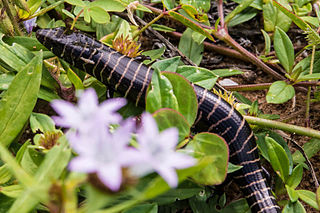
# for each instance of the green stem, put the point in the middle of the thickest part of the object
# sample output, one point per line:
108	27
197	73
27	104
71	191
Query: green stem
75	19
11	17
309	88
44	10
283	126
148	25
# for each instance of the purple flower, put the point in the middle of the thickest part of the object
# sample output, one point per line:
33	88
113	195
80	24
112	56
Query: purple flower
29	24
88	115
157	152
105	154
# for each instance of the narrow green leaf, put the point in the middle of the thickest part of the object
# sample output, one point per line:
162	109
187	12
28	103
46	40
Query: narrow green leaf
278	158
76	2
167	118
143	208
313	76
280	92
293	195
109	5
296	176
267	42
243	5
190	48
308	197
284	49
169	4
212	146
162	28
19	101
188	23
12	191
310	148
244	16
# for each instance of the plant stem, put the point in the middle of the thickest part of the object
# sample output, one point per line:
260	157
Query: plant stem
12	18
309	88
44	10
283	126
148	25
75	19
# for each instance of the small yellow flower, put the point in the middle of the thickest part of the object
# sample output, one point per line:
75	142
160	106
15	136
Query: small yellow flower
126	46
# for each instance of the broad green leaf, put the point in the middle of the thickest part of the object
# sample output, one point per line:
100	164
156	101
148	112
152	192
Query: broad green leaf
99	15
169	4
109	5
308	197
200	76
280	92
188	23
5	80
153	54
76	2
296	176
31	160
295	207
284	49
185	95
311	148
293	195
190	48
209	145
273	17
86	15
278	159
143	208
170	64
243	5
42	122
160	94
19	101
29	43
167	118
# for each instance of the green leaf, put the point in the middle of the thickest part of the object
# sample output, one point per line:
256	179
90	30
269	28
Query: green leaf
99	15
86	15
18	102
238	206
169	4
185	95
162	28
267	42
278	159
42	122
243	5
190	48
318	197
226	72
167	118
280	92
273	17
293	195
170	64
209	145
232	167
203	5
313	76
5	80
242	17
154	54
284	49
160	94
5	174
296	176
12	191
143	208
188	23
308	197
295	207
76	2
200	76
31	160
109	5
311	148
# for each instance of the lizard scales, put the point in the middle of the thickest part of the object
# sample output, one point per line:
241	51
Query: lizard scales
130	78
